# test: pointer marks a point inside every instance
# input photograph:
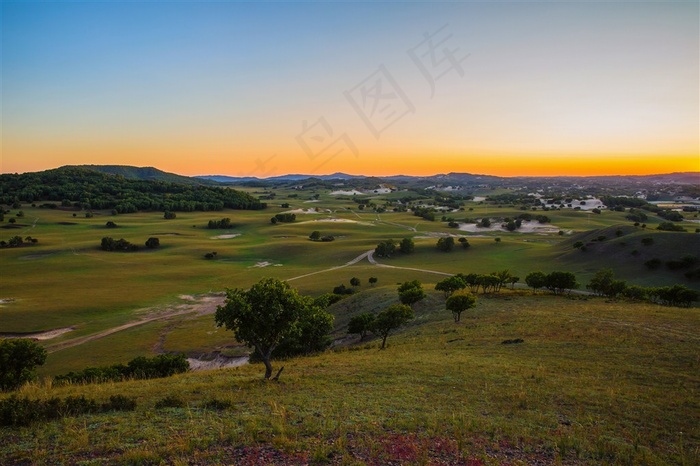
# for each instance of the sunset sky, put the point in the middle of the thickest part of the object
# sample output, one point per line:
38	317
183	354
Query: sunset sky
263	89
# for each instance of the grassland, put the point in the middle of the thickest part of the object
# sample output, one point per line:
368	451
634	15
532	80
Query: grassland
594	382
67	281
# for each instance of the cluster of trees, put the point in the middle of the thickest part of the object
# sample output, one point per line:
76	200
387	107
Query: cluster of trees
163	365
426	213
604	283
388	247
88	189
556	282
487	283
17	241
110	244
284	218
669	226
273	319
316	236
447	243
224	223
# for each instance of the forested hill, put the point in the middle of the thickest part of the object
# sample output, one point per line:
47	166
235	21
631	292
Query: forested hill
90	189
144	173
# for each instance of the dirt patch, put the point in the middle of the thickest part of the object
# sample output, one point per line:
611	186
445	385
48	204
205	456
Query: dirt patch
215	361
47	335
7	300
265	264
229	236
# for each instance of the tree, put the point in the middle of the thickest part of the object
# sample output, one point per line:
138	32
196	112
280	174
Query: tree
312	333
411	292
603	283
355	282
558	282
373	281
460	302
445	244
536	280
385	248
390	319
315	235
407	246
262	316
450	284
169	215
361	324
152	243
18	359
464	242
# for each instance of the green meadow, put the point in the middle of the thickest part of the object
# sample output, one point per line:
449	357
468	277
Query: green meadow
594	381
67	281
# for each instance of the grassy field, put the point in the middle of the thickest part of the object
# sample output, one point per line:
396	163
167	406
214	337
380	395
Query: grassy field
67	281
594	382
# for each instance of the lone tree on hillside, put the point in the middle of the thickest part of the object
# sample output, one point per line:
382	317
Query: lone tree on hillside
315	235
411	292
460	302
355	282
373	280
18	358
262	316
390	319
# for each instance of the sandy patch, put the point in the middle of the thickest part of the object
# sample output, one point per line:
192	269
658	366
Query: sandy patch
262	264
232	235
47	335
478	199
7	300
354	192
313	200
532	226
311	210
335	220
219	362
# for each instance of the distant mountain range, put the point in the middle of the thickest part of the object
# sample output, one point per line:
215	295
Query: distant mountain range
455	179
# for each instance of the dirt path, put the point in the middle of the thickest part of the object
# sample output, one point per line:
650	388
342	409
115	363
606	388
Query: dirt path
201	305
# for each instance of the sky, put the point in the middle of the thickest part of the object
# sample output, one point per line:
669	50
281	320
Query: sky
383	88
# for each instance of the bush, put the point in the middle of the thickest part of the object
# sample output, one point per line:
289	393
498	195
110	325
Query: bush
111	224
669	226
16	411
171	402
217	405
169	215
163	365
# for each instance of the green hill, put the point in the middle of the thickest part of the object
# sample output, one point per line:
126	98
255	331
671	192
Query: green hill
626	249
145	173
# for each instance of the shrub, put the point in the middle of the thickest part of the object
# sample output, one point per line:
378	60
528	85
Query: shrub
171	401
111	224
217	405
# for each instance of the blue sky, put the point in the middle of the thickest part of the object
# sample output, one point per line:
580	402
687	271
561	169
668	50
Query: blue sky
215	87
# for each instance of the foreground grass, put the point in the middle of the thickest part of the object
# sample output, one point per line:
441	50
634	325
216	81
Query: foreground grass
593	383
